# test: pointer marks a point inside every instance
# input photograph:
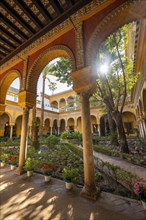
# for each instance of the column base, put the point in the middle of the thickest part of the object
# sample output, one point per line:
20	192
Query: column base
90	194
19	171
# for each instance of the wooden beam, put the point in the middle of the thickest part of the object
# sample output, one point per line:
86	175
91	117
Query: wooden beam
17	17
9	35
69	3
57	7
7	42
42	9
2	53
29	13
12	26
5	49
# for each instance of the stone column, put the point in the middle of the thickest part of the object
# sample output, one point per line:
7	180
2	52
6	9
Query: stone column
84	83
11	130
58	130
50	130
89	190
99	130
23	141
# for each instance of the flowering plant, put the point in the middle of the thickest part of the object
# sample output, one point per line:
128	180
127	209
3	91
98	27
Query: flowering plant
140	189
49	168
14	160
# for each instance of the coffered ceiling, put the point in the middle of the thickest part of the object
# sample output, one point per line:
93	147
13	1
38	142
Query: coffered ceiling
23	21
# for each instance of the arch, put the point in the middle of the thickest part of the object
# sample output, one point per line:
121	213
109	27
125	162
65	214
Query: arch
71	124
104	125
129	122
62	104
46	126
55	127
6	82
4	125
54	104
62	125
114	20
18	125
79	124
43	60
94	126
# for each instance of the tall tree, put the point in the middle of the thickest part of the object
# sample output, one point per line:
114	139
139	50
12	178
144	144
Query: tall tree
116	81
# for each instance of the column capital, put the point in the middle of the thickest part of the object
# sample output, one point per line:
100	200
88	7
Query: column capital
27	99
12	123
84	81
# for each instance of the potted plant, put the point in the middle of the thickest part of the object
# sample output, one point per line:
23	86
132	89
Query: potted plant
30	165
13	162
48	169
140	190
69	174
4	159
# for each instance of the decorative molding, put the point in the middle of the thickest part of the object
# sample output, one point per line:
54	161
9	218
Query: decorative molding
43	60
79	45
23	87
53	32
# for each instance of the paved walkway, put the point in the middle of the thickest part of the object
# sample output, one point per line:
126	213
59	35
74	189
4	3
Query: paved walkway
139	171
29	198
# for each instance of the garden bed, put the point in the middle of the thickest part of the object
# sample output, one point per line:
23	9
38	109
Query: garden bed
108	177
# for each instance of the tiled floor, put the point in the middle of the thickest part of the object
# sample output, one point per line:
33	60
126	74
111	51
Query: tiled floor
25	198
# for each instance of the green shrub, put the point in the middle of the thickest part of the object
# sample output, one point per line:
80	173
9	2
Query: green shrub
31	164
52	141
102	150
71	135
70	173
4	157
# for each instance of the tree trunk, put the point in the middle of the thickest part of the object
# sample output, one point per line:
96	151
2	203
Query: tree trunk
123	141
113	130
42	107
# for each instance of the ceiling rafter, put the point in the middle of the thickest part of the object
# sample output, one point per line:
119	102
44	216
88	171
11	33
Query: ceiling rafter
69	3
57	7
12	26
43	10
8	43
11	36
35	18
5	49
2	53
29	13
17	17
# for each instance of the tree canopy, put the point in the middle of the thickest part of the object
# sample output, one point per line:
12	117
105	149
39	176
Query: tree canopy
61	69
115	71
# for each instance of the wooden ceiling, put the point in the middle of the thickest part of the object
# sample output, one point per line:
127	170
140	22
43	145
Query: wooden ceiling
23	21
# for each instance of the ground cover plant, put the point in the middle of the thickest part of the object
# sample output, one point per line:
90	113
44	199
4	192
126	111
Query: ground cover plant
136	155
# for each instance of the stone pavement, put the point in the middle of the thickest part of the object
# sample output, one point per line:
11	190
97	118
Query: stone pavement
139	171
25	198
